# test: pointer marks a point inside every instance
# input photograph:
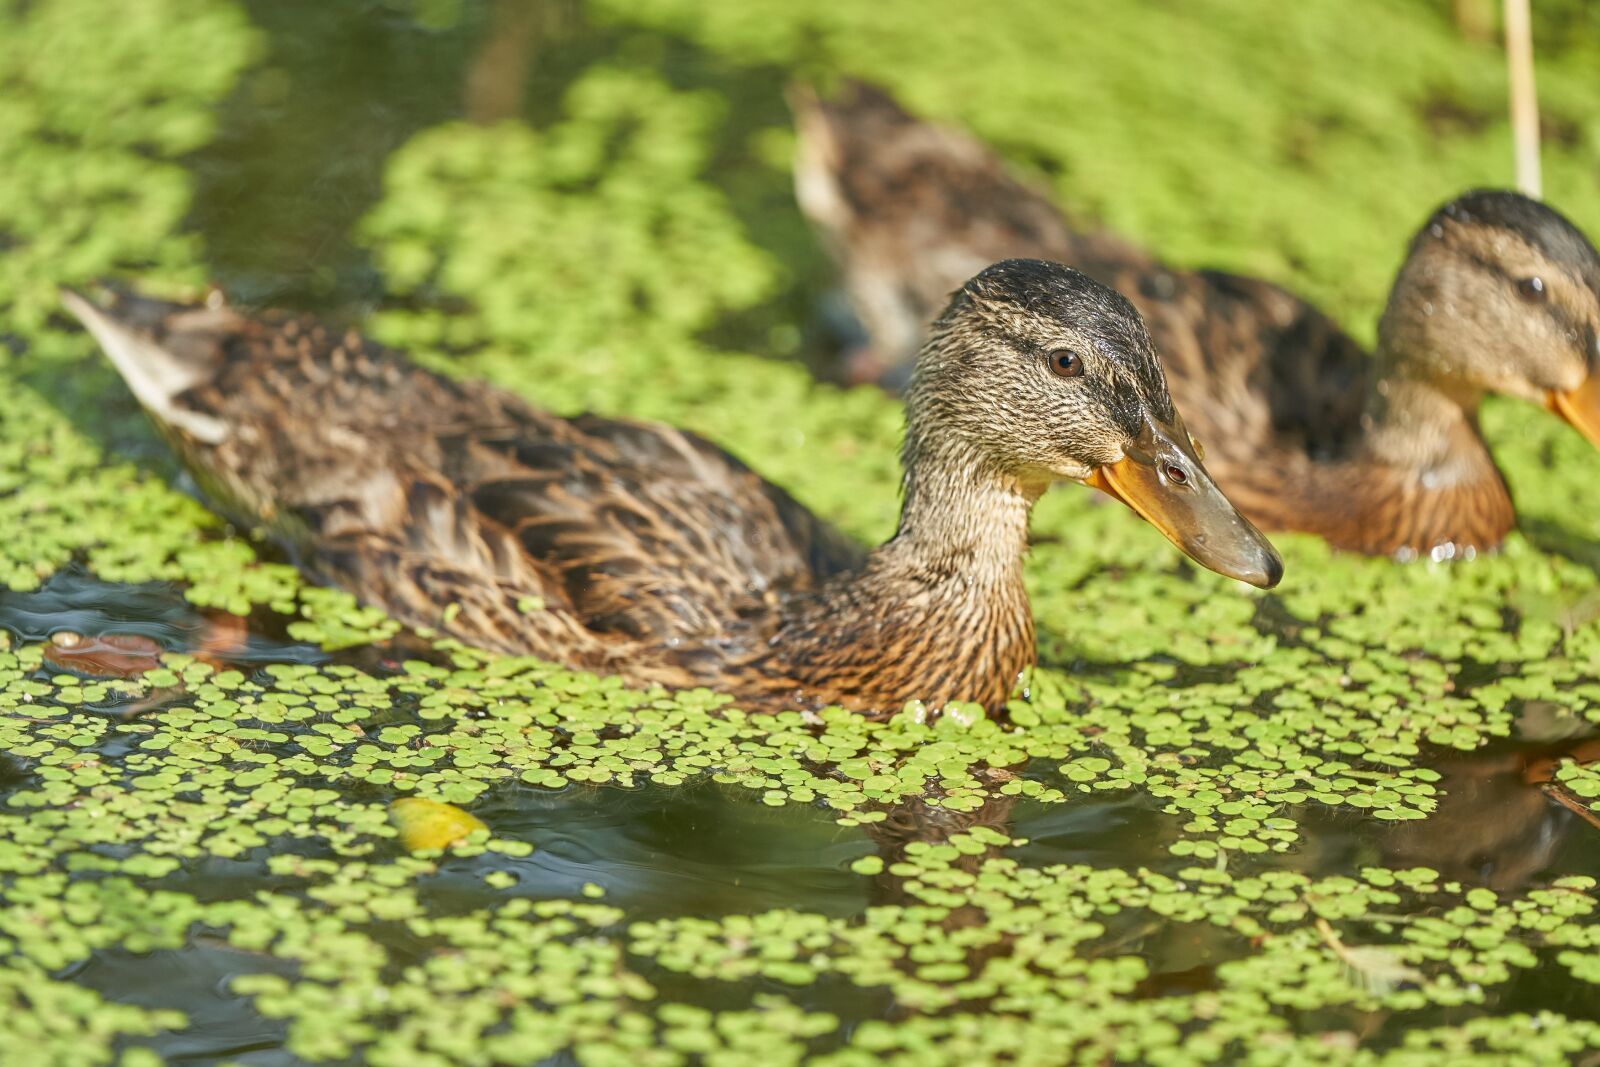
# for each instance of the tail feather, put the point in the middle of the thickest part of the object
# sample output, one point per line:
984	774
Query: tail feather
155	363
817	158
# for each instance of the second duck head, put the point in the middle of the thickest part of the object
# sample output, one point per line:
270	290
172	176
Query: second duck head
1500	293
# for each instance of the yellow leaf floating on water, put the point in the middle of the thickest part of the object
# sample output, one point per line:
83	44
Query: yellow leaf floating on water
431	824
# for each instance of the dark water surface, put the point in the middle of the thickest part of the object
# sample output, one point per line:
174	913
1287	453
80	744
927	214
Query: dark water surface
305	136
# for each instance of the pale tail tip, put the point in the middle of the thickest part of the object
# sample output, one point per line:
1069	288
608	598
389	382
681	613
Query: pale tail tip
155	375
79	305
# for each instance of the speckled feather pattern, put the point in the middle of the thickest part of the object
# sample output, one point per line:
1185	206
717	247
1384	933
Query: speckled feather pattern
642	550
653	553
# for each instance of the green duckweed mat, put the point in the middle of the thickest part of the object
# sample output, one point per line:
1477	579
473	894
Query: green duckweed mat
1222	826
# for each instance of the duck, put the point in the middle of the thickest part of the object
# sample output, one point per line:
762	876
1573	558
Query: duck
1377	453
648	552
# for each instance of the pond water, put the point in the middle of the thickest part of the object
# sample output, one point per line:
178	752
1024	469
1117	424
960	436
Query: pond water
711	853
1356	819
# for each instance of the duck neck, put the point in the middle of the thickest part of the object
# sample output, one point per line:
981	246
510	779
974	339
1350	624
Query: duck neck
1424	472
960	522
1416	421
939	613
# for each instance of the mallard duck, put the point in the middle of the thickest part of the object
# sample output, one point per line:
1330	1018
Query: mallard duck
648	552
1379	454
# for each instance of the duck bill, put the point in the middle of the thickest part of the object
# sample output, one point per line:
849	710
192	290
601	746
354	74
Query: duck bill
1165	484
1580	407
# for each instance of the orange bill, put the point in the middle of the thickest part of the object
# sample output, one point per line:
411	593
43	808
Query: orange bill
1580	407
1162	480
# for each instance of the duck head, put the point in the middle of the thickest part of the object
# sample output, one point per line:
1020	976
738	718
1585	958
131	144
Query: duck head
1501	294
1035	373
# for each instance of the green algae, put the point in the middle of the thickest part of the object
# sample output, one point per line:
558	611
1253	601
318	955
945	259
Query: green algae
614	254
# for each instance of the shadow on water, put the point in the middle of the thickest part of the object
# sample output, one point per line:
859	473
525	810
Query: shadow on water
222	1027
698	849
300	146
1556	539
1499	822
1270	619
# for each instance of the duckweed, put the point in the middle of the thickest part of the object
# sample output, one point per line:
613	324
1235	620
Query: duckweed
1203	833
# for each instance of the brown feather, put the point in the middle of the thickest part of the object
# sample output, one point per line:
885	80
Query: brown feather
654	554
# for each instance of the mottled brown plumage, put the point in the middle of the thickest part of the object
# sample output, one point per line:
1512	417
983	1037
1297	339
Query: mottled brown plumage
1304	430
648	552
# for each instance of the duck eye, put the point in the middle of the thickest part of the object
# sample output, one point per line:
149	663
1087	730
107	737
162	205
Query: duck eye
1531	289
1065	363
1177	473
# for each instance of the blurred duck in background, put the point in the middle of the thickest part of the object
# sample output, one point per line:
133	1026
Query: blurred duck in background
1376	453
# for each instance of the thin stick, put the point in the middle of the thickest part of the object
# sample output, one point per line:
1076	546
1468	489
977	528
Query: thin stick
1524	97
1560	795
